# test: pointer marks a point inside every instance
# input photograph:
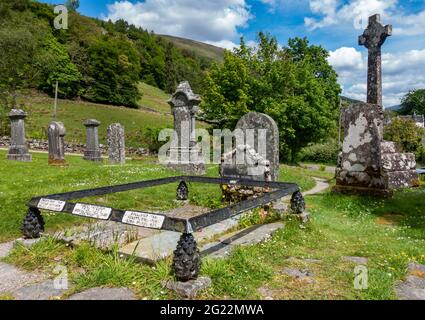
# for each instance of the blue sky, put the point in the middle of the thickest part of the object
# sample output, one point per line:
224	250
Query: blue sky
333	24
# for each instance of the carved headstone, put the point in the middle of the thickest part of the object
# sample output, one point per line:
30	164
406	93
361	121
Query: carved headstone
184	152
255	157
56	136
262	134
116	144
18	150
368	164
92	152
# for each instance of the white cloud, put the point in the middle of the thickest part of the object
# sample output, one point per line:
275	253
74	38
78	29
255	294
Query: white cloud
356	13
226	44
202	20
402	72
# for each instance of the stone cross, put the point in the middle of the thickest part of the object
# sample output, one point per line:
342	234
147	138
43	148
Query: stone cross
116	144
373	38
92	152
56	136
184	152
18	149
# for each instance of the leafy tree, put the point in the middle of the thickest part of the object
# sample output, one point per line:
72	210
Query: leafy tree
413	102
72	5
60	69
405	133
114	72
295	85
21	60
170	71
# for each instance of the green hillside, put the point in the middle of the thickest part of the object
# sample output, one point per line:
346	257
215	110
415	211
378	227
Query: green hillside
73	113
199	48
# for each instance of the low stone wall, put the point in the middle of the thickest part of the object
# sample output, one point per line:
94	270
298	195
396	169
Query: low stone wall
43	145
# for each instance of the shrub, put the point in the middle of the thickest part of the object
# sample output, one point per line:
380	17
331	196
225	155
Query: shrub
405	133
149	137
325	152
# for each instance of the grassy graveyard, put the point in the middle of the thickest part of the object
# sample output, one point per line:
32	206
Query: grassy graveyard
389	232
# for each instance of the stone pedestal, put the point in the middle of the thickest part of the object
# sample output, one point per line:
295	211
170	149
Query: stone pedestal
116	144
184	155
56	136
368	164
92	152
18	150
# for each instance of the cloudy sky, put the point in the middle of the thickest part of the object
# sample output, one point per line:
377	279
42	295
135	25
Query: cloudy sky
333	24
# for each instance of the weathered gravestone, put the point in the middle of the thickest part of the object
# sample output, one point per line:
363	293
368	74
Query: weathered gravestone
116	144
92	152
368	164
56	135
18	150
254	157
184	152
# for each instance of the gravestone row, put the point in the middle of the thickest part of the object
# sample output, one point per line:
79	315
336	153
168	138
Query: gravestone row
18	149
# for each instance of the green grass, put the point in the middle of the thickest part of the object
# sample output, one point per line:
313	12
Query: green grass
390	232
19	182
200	48
340	226
154	98
74	113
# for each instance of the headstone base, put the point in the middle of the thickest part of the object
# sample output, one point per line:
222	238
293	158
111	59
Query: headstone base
20	157
188	168
188	289
92	156
59	163
350	190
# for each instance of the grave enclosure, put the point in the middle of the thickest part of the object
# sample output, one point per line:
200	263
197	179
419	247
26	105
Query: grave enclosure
258	174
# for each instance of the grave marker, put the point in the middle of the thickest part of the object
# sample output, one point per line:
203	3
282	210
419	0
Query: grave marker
92	152
56	135
116	144
18	150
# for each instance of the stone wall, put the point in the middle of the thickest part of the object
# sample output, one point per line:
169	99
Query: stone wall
78	148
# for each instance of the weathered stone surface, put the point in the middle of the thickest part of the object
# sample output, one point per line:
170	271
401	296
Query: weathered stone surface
368	164
413	288
92	152
253	125
184	154
303	275
27	243
116	144
105	294
39	291
56	136
398	162
189	289
18	150
358	260
12	278
5	248
103	234
253	235
373	38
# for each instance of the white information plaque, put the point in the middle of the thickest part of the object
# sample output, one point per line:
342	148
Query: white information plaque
91	211
142	219
50	204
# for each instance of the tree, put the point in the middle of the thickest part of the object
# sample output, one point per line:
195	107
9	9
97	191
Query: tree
21	59
405	133
413	102
170	71
295	85
72	5
114	73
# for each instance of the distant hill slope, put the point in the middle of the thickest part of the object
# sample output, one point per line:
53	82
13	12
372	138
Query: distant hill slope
73	113
346	100
395	108
200	48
